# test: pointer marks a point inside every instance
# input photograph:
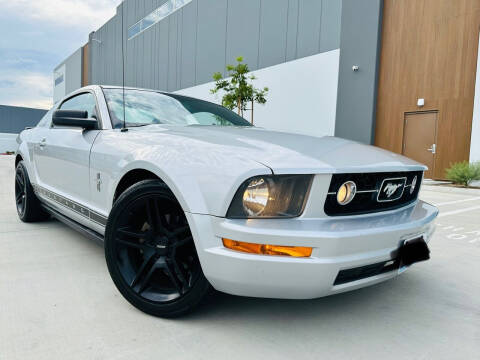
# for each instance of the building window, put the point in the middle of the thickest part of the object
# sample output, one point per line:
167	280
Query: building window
58	80
155	16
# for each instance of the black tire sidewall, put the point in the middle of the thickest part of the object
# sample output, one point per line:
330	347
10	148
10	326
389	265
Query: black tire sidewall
33	210
175	308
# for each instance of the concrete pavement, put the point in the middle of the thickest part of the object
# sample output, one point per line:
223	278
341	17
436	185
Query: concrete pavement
57	302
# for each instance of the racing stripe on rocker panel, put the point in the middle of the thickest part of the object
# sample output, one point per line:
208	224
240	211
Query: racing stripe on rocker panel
71	205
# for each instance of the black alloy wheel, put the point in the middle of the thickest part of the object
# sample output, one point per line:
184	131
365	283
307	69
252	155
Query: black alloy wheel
29	208
150	251
20	191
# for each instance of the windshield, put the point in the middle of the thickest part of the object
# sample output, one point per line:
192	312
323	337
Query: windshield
149	107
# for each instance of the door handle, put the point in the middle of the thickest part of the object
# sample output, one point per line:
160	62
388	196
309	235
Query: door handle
42	143
433	149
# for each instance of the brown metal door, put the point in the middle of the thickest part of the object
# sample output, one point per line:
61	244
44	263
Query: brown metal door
419	138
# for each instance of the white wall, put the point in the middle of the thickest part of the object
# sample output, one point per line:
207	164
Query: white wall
71	69
8	142
475	141
302	96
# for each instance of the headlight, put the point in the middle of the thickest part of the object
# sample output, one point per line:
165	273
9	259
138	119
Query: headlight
270	196
255	196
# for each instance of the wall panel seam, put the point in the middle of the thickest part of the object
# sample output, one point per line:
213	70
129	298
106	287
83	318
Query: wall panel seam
259	33
296	35
320	27
286	32
226	41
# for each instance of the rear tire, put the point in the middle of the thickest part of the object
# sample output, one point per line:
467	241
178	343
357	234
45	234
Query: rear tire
29	208
150	252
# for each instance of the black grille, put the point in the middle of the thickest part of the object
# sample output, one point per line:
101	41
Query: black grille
368	187
363	272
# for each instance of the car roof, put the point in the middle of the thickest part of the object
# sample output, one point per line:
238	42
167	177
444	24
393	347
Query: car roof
132	88
101	87
149	90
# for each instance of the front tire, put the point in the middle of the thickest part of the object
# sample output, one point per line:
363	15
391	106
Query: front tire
150	252
29	208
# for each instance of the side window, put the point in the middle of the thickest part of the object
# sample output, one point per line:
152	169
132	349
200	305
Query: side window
46	120
84	102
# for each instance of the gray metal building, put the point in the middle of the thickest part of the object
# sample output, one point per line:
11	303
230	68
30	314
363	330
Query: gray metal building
357	69
186	47
176	45
13	120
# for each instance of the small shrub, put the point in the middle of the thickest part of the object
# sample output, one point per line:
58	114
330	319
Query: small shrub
463	173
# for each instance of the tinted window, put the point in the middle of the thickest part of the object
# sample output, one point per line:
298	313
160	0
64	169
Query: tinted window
149	107
155	16
84	102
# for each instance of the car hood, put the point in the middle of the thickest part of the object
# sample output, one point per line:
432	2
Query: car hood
285	153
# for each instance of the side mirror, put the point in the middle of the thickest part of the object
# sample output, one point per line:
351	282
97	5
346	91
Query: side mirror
74	118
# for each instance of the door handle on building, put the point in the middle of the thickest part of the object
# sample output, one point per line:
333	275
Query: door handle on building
433	149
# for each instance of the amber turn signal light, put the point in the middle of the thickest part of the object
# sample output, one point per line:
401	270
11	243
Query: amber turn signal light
263	249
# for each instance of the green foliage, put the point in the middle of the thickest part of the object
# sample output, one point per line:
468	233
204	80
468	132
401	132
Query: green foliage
463	173
238	88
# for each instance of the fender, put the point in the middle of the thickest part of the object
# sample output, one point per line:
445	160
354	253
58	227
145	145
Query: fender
26	152
199	187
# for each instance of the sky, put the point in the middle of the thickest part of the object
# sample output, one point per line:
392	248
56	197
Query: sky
37	35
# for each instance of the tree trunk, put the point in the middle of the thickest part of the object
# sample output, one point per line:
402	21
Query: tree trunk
252	111
239	105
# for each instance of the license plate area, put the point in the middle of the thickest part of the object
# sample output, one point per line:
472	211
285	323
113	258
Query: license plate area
410	251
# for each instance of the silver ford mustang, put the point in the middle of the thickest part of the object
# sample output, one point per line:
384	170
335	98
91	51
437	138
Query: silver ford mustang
186	195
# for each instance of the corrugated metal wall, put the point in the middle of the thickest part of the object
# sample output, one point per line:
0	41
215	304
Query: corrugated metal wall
14	119
188	46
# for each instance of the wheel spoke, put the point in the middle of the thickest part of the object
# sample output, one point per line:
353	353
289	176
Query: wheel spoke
177	220
179	273
173	278
132	244
161	223
149	213
131	233
182	242
146	279
153	215
144	268
162	230
157	217
19	197
125	232
166	220
19	180
180	230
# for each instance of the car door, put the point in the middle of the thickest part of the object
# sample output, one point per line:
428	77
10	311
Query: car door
62	155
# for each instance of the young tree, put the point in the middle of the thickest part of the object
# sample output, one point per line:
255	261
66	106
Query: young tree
238	88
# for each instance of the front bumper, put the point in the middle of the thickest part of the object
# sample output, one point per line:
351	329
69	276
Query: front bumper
338	243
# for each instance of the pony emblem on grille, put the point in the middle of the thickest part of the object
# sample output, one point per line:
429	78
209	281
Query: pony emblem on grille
390	189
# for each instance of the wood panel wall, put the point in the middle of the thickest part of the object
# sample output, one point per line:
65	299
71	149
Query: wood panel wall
429	50
85	64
